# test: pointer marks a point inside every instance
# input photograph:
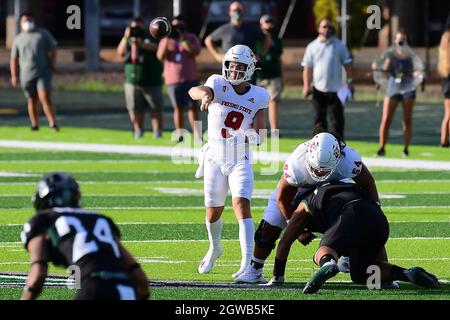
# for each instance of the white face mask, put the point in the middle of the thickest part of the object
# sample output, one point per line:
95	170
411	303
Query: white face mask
27	26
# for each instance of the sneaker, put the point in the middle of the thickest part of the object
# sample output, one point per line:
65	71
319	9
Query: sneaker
405	153
34	128
138	133
381	152
275	282
251	275
157	134
55	127
390	285
327	271
207	263
422	278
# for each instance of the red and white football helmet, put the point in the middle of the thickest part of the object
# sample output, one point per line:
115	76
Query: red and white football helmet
241	54
323	156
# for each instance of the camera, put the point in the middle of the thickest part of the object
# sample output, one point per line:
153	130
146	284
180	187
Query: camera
136	32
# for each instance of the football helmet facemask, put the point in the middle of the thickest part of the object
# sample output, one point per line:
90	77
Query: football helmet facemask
57	189
240	54
323	156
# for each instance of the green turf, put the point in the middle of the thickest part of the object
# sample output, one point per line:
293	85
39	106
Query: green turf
159	208
198	232
90	135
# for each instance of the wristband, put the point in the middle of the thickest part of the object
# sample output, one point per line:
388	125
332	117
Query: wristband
32	290
134	266
42	262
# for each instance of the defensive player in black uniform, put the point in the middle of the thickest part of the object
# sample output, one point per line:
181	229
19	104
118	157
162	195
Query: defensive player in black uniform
352	225
63	233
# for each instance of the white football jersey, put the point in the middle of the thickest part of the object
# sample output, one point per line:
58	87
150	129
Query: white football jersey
230	111
297	175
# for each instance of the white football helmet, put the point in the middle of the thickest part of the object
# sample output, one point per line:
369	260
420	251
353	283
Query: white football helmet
323	156
241	54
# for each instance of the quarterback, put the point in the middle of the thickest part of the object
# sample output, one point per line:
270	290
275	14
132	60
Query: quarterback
236	115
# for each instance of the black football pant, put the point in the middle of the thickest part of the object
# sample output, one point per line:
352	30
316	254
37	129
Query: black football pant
322	102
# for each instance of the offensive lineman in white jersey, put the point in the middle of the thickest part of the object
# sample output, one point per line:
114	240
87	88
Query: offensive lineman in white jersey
318	161
236	114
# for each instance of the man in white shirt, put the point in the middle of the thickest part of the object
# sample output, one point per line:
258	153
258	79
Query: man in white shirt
236	114
322	77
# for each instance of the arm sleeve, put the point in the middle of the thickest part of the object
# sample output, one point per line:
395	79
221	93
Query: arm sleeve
345	55
289	172
50	40
216	35
308	58
14	49
353	162
36	226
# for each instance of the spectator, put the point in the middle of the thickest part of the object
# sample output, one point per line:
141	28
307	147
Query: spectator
178	52
235	32
143	78
444	71
323	61
397	61
269	76
34	50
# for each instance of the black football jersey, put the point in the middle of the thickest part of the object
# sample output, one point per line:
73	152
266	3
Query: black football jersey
326	202
77	237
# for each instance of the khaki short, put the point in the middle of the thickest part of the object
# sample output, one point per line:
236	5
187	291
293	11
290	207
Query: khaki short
274	86
139	99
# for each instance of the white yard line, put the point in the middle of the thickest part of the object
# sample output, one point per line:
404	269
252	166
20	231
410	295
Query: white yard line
191	152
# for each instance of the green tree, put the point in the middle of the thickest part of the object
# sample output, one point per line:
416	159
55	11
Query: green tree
326	9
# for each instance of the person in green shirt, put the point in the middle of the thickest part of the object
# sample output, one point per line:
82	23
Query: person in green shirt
270	76
143	78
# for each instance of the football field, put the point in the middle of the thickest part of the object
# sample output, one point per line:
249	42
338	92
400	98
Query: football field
158	205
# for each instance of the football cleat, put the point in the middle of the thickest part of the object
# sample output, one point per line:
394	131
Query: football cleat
327	271
238	273
275	282
390	285
207	262
422	278
251	275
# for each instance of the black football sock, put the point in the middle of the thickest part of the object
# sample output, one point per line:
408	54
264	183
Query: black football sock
326	258
398	273
279	267
256	265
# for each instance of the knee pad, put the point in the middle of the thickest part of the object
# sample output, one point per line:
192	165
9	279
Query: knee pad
262	241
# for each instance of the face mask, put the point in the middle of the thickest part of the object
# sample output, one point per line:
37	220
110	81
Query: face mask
236	15
27	26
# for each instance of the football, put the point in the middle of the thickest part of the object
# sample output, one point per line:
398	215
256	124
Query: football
160	27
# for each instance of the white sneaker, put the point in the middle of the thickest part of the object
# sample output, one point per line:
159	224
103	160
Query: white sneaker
207	262
251	275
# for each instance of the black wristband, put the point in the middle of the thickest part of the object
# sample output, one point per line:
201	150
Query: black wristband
43	262
32	290
134	266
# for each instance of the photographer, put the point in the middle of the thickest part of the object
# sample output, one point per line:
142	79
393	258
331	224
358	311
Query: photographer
143	81
178	53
